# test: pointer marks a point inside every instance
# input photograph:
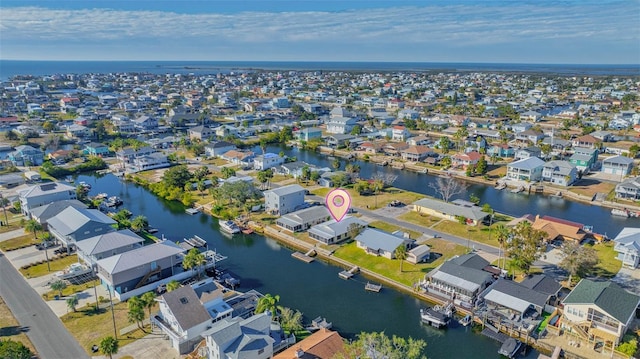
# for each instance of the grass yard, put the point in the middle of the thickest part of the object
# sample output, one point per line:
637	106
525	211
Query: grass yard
441	250
392	228
383	198
608	265
419	218
18	242
89	326
513	271
57	264
11	227
71	289
590	187
10	328
479	233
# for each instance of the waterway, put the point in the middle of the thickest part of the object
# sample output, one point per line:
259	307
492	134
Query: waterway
502	201
314	288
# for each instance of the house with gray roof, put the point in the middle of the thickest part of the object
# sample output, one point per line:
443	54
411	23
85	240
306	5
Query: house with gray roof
543	284
561	173
285	199
617	165
25	155
513	300
460	279
237	338
601	310
218	148
528	169
73	225
108	244
380	243
303	219
449	211
628	189
130	270
45	193
331	232
627	244
584	158
43	213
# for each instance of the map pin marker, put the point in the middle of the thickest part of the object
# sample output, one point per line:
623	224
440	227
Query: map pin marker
338	202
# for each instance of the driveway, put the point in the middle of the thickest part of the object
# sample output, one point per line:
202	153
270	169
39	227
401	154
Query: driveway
629	279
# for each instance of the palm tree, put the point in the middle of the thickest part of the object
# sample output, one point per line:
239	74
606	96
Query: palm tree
268	303
136	311
173	285
33	226
139	223
401	254
291	320
72	302
109	346
502	234
148	300
58	285
194	259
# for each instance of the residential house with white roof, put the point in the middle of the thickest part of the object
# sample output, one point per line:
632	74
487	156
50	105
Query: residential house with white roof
627	244
92	249
201	133
450	211
73	225
218	148
266	161
241	338
562	173
41	194
628	189
617	165
528	169
380	243
303	219
331	231
341	125
43	213
284	199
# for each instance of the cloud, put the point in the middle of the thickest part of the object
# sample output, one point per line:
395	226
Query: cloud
440	26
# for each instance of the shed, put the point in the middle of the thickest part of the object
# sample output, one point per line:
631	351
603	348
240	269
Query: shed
419	254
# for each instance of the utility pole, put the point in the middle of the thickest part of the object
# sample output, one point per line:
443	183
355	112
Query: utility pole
113	315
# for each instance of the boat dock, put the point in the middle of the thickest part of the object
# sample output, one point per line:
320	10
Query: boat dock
196	241
372	287
305	257
193	211
493	333
347	274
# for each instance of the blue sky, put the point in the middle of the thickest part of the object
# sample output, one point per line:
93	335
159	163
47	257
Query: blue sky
577	32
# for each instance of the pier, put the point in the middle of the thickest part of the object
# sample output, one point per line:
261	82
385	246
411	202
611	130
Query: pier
305	257
372	287
347	274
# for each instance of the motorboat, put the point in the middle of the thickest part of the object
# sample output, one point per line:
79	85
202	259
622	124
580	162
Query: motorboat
74	270
229	226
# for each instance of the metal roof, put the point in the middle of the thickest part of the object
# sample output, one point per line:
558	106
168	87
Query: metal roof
136	257
380	240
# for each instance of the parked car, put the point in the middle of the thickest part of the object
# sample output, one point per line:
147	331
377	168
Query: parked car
45	245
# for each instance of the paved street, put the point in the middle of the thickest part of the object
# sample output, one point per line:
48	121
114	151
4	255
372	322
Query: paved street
48	335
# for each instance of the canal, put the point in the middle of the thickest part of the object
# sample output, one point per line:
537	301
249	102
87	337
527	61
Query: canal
502	201
314	288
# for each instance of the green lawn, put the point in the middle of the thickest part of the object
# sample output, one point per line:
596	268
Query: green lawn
56	264
392	228
440	249
420	219
608	265
71	289
18	242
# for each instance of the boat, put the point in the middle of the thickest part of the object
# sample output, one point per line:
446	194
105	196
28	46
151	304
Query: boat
101	196
196	241
466	320
229	226
500	186
621	212
74	270
434	317
510	348
319	323
85	185
192	211
113	201
517	190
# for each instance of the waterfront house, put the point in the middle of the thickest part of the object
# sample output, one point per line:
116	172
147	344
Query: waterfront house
561	173
617	165
339	140
77	131
546	285
465	160
241	338
266	161
529	136
584	158
322	344
41	194
628	189
531	151
136	271
331	232
399	133
586	141
308	134
460	279
627	244
449	211
394	149
419	254
150	161
341	125
201	133
303	219
528	169
25	155
418	141
370	147
43	213
218	148
501	150
96	149
241	158
511	300
380	243
92	249
598	312
128	155
73	225
284	199
416	153
559	229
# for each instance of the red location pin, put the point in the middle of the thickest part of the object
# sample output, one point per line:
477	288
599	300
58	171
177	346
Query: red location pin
338	202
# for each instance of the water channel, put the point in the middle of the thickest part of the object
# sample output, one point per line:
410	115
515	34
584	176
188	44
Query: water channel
314	288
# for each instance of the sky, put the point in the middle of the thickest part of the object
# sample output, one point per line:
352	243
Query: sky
486	31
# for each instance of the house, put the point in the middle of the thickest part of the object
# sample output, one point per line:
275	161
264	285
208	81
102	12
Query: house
339	140
528	169
128	155
370	147
627	244
341	125
145	123
41	194
449	211
92	249
399	133
150	161
529	136
73	225
465	160
544	284
418	141
266	161
308	134
598	312
628	189
531	151
331	231
501	150
226	130
11	180
586	141
380	243
218	148
77	131
602	136
416	153
139	270
460	279
562	173
25	155
617	165
43	213
303	219
201	133
419	254
322	344
556	228
96	149
284	199
584	158
241	338
509	299
242	158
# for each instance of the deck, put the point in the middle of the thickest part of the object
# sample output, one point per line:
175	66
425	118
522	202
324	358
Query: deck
372	287
303	257
347	274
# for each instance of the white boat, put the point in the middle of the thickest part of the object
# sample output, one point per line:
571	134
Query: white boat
465	321
74	270
229	226
319	323
113	201
620	212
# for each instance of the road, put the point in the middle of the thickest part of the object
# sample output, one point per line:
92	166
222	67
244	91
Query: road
47	333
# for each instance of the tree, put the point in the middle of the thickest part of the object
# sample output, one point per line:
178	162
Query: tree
136	311
577	259
473	198
193	260
502	235
290	320
524	246
177	176
109	346
361	187
481	166
634	150
173	285
445	162
148	300
444	144
58	285
227	172
379	345
401	254
14	350
72	302
139	223
268	303
335	164
33	226
448	187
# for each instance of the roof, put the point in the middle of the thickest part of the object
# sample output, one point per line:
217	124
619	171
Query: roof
555	227
629	238
45	189
331	228
420	250
562	167
617	160
71	219
379	240
136	257
608	296
474	212
285	190
470	260
463	275
47	211
305	215
515	296
108	241
241	335
527	163
542	284
186	307
323	344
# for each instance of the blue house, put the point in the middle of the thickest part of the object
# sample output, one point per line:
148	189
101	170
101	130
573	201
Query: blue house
502	150
96	149
309	133
26	155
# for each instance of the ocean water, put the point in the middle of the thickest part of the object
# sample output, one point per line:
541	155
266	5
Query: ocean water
10	68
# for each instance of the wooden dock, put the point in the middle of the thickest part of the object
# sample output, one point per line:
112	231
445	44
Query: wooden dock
494	334
372	287
303	257
347	274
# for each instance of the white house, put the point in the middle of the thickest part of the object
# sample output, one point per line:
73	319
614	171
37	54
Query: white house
240	338
39	195
380	243
268	160
331	232
562	173
341	125
628	247
284	199
617	165
528	169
